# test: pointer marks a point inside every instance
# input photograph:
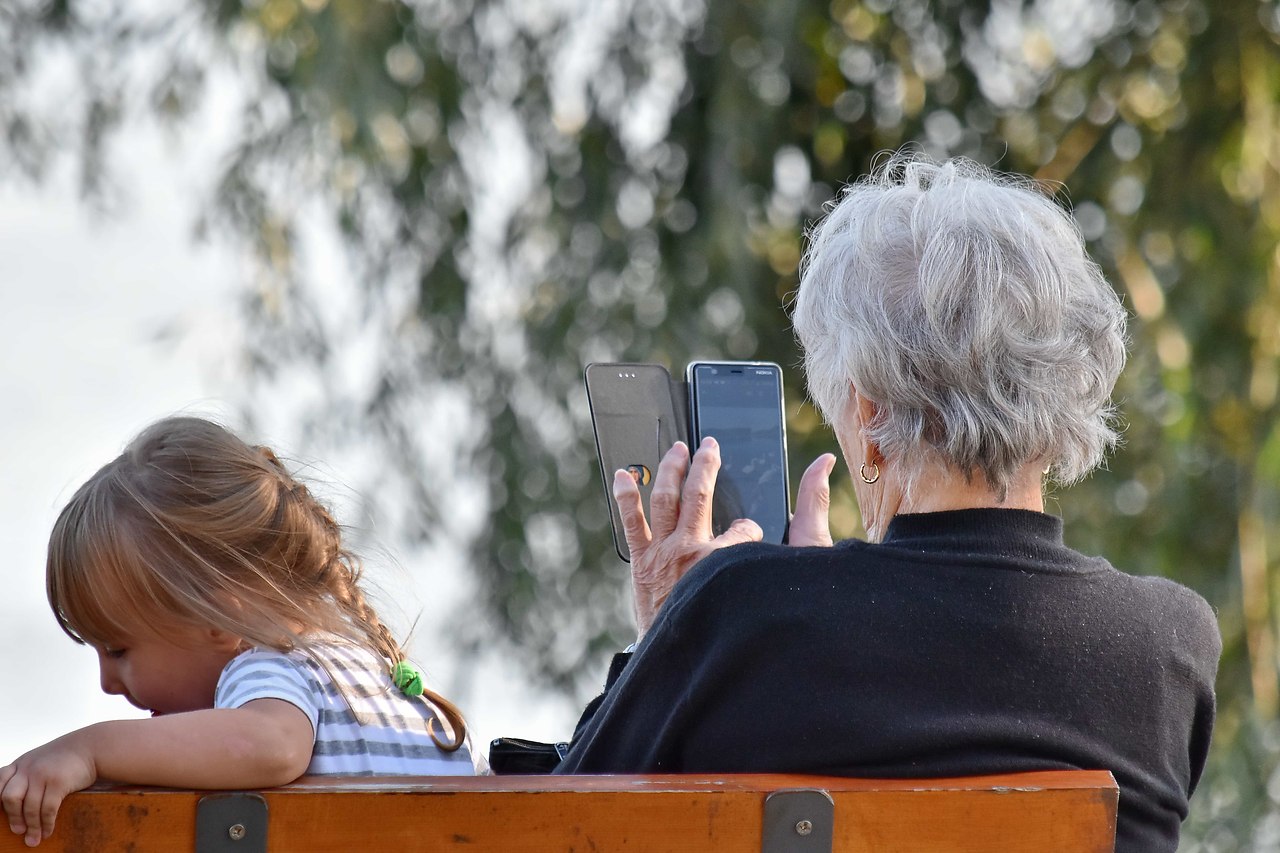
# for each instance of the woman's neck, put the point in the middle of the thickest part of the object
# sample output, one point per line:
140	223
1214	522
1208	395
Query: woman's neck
938	489
950	490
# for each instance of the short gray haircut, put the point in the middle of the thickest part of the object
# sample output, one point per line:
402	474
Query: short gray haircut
964	304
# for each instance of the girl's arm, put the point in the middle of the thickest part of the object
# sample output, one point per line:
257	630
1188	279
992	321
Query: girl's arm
266	742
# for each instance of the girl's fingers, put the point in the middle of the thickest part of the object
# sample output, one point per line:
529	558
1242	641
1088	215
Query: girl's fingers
12	793
32	808
49	804
810	525
664	500
635	529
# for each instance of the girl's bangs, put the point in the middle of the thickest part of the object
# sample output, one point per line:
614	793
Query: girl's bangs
95	578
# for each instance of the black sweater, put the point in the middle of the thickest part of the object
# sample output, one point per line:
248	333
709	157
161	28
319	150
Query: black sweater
967	643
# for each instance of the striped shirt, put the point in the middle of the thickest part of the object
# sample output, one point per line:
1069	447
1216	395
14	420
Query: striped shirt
366	728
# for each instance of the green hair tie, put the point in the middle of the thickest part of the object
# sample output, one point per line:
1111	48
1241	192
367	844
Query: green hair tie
407	678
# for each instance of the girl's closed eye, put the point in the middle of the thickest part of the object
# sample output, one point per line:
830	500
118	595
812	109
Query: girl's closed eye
114	654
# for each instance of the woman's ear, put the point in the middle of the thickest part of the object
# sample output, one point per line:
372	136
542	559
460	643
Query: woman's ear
848	430
862	412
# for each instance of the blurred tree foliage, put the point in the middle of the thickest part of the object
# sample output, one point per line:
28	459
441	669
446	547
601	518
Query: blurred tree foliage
527	187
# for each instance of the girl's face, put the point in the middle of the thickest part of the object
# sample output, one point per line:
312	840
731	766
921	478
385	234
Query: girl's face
167	675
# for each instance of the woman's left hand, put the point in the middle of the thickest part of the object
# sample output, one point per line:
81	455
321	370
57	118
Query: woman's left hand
811	524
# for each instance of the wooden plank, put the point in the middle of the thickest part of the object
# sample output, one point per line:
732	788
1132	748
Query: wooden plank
1012	821
1020	813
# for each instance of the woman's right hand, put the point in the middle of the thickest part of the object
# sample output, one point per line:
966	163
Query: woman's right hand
666	546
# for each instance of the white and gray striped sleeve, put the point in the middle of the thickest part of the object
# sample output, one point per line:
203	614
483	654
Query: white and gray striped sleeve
268	674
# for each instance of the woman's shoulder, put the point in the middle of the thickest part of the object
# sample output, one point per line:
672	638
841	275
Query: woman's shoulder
1161	596
740	559
754	568
763	554
1169	599
1171	616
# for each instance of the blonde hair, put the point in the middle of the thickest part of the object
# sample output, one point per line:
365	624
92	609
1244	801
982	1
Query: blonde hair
191	526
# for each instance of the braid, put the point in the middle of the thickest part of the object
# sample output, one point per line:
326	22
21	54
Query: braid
345	584
320	561
341	576
454	717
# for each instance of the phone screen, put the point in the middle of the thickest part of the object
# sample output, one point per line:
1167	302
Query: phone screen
739	404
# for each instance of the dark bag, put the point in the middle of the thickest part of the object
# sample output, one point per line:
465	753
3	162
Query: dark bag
509	756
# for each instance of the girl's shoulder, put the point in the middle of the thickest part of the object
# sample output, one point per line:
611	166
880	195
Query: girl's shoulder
321	660
262	662
352	668
331	671
321	652
255	656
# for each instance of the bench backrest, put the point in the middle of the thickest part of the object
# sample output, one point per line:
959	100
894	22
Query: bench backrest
1018	813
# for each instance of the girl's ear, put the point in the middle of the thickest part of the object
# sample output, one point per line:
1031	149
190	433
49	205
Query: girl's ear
221	639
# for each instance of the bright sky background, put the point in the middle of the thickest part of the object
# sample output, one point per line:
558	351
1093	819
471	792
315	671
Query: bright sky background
82	302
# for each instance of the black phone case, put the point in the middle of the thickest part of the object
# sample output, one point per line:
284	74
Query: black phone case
637	411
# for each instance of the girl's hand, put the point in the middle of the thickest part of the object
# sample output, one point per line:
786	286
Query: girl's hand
679	535
33	787
811	525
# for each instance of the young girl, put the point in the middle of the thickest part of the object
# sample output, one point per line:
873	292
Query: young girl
219	597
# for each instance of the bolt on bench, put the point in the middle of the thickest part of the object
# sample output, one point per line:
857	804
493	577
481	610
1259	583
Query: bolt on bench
1017	813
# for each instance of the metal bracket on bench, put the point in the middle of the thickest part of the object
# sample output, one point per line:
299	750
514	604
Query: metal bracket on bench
799	821
231	823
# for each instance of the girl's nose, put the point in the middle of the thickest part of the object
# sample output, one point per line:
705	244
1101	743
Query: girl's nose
108	676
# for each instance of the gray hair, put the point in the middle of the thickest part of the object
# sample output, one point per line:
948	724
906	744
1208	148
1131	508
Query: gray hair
963	303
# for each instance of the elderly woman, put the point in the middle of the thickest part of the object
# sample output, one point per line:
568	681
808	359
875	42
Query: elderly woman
963	346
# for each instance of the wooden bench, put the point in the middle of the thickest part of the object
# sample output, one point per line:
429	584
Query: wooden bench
1060	812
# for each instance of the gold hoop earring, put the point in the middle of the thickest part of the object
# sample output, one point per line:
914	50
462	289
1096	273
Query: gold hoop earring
862	472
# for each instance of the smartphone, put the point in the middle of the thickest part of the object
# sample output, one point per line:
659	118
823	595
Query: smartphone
637	415
739	404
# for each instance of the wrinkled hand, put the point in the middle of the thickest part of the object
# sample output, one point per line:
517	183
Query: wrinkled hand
665	547
33	787
811	525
